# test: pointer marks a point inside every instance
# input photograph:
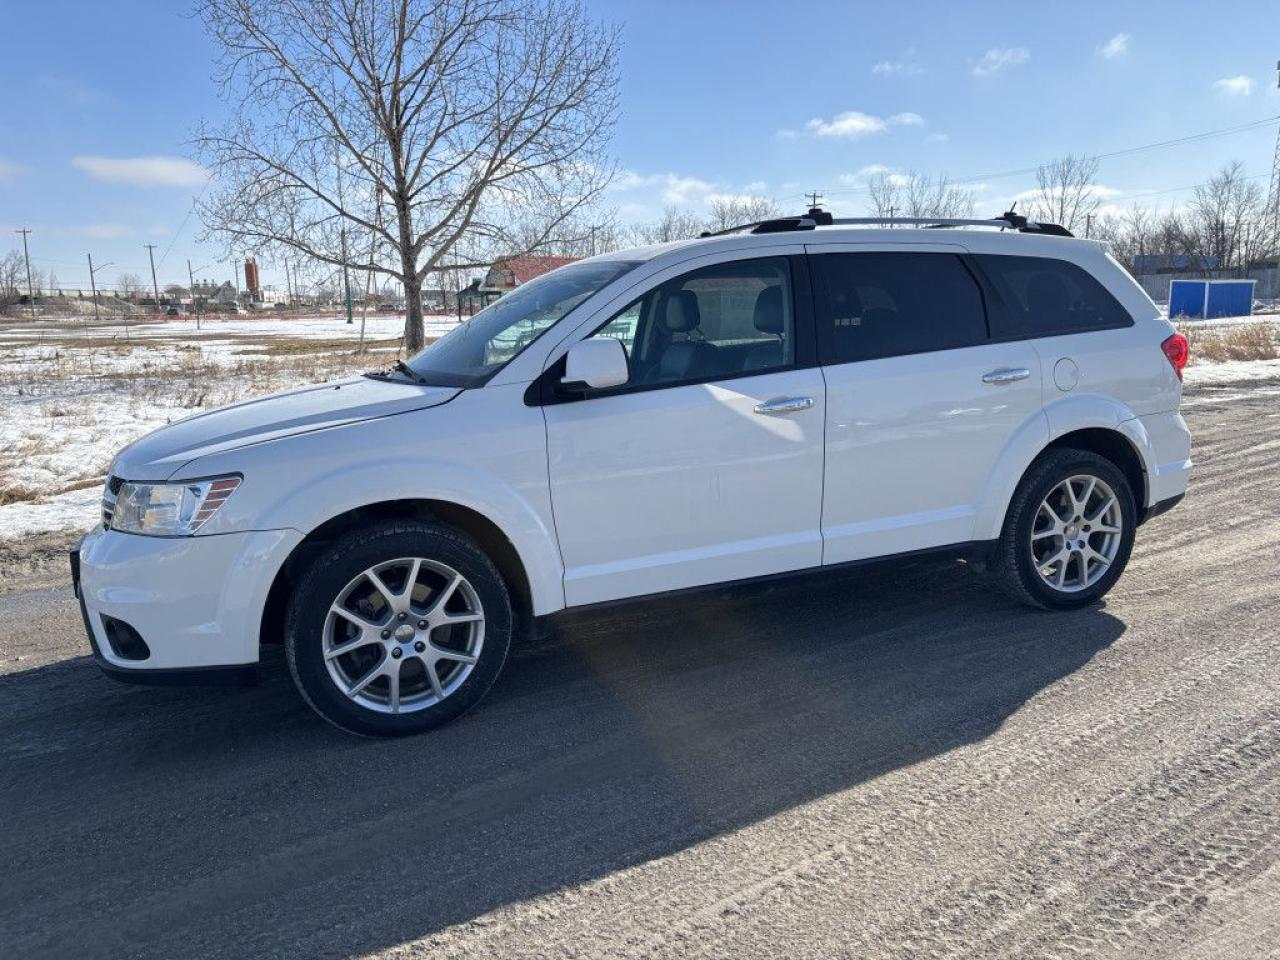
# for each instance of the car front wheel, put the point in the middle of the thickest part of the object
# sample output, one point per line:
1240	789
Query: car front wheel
398	628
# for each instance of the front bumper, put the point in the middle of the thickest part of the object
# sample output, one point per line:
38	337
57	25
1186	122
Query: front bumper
195	602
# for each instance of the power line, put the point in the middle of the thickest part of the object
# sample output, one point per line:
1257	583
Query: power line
1127	151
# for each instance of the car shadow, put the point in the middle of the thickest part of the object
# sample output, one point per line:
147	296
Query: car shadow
193	822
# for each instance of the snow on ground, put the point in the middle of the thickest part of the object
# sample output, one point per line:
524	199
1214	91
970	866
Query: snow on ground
1202	373
77	510
324	327
73	393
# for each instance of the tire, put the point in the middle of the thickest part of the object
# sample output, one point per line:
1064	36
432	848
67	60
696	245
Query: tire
363	639
1052	572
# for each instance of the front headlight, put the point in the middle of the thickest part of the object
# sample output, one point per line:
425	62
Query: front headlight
170	509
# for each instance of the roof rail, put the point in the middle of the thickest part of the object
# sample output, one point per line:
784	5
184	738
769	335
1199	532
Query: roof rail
820	218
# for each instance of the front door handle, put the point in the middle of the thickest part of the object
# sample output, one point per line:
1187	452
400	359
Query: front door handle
784	405
1007	375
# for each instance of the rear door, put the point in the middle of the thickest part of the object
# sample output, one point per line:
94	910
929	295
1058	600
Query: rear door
921	400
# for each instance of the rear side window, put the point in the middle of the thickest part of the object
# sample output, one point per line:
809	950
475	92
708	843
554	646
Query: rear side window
893	304
1042	297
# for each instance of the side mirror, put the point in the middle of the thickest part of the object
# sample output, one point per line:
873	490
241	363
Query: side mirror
595	364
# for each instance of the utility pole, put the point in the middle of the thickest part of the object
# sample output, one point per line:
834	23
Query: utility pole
93	285
195	301
814	197
235	279
31	296
1088	225
1273	194
155	287
288	284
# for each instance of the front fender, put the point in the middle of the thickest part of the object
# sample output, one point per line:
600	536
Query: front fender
485	451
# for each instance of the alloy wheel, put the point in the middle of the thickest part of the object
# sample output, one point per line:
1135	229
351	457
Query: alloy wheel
1076	533
403	635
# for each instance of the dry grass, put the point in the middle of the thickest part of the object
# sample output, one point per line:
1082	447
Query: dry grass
1240	341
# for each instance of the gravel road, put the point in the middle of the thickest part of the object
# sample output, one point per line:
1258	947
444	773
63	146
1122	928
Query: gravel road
890	763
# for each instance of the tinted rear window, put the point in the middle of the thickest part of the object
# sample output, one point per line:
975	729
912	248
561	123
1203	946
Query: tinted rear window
1042	297
892	304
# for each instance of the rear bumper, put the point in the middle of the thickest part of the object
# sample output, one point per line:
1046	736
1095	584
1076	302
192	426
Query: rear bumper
195	603
1168	459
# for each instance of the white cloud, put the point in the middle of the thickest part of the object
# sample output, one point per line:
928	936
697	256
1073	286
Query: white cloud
852	123
672	188
872	171
897	68
105	231
1240	86
936	138
8	170
144	171
1117	46
855	123
997	58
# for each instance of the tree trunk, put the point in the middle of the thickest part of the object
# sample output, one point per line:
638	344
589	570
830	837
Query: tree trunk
414	338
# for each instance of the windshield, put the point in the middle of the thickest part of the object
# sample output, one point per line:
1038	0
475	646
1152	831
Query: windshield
478	347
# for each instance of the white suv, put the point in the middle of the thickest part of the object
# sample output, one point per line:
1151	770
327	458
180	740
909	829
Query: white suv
787	396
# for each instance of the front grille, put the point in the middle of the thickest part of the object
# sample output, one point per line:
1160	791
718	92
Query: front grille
109	492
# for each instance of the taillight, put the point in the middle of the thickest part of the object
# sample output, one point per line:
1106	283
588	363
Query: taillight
1177	351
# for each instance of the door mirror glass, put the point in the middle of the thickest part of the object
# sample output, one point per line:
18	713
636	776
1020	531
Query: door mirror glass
595	364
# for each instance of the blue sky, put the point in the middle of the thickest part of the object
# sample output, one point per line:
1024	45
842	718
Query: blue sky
717	99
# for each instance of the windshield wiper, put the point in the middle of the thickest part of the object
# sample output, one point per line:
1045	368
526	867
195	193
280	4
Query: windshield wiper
400	367
409	372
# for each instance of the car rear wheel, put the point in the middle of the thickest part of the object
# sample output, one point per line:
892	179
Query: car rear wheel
398	628
1069	531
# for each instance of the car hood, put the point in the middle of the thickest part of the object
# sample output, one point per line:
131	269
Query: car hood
159	455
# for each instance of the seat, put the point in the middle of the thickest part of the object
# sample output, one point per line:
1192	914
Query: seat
684	358
769	318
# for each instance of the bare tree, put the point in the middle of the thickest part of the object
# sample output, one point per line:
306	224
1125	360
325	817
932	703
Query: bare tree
675	224
1067	192
411	123
130	285
12	276
918	195
1228	216
729	212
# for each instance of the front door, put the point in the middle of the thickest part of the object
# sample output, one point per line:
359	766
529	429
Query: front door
707	465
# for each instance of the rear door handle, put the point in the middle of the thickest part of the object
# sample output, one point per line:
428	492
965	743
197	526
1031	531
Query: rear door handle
784	405
1007	375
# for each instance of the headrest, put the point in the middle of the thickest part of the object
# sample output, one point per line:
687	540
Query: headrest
680	313
768	313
